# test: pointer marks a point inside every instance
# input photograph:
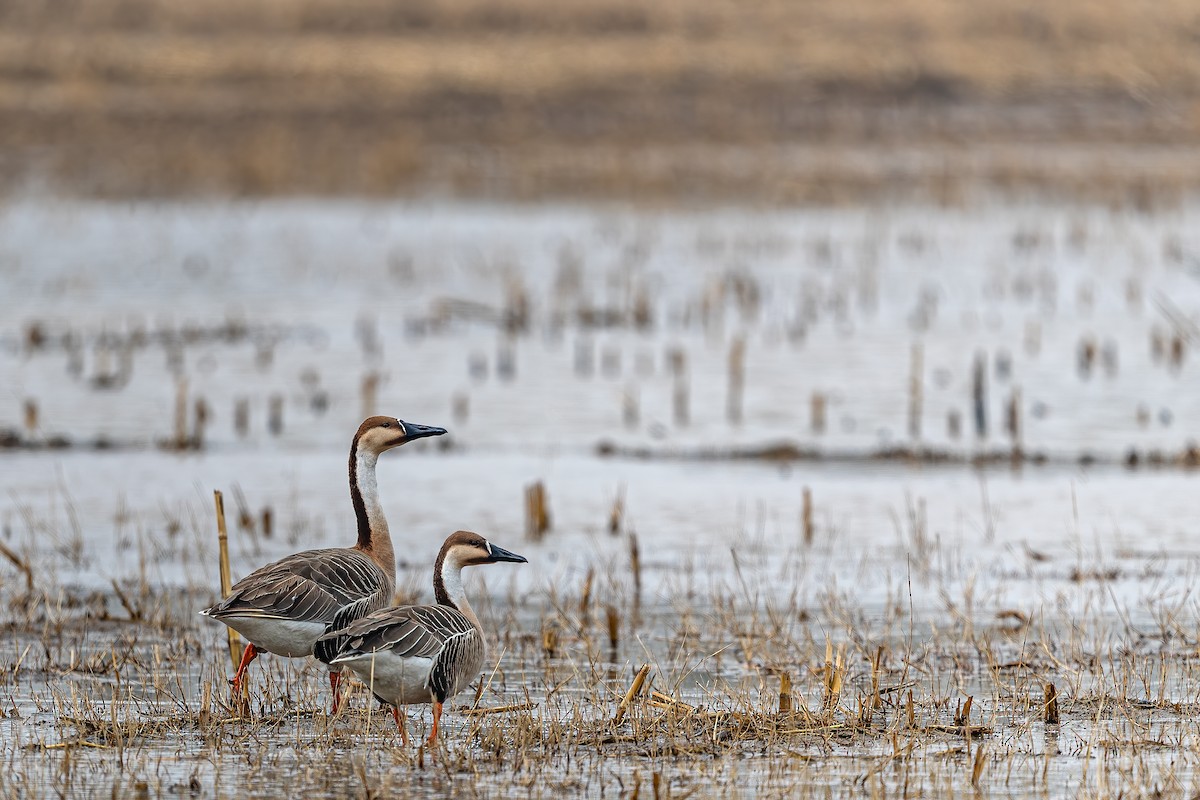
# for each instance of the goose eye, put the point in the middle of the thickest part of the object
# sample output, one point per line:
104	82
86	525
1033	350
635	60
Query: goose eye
385	424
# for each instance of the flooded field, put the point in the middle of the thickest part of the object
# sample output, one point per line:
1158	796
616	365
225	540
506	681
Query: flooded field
857	486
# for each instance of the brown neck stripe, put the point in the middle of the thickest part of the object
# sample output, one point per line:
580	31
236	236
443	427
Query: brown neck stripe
356	498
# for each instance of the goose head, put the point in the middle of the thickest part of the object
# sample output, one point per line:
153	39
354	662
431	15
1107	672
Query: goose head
378	434
467	549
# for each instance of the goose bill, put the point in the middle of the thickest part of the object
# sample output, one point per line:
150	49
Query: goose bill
412	430
500	554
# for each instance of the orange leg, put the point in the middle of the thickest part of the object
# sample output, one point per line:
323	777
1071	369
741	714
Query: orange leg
335	678
400	725
437	715
248	655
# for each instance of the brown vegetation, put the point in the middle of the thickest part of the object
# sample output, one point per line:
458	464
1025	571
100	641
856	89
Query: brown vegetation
781	101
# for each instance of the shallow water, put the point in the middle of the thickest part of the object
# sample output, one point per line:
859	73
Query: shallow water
827	301
981	583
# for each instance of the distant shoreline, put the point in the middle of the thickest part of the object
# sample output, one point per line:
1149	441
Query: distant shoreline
776	104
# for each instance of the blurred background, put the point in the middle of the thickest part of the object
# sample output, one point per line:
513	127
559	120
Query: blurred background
661	257
710	101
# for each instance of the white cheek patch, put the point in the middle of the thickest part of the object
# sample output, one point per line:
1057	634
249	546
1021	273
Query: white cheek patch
489	546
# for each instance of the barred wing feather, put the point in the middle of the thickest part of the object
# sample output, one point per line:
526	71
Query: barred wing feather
311	587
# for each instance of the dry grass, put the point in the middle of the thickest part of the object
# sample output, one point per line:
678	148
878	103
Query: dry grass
903	698
675	100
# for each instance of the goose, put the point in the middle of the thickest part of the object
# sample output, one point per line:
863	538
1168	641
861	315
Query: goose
420	654
284	607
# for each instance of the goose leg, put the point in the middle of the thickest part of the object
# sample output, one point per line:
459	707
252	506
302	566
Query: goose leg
248	655
400	725
335	678
437	715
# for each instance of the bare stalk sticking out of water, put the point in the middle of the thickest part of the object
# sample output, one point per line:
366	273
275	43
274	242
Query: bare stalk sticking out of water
634	689
235	643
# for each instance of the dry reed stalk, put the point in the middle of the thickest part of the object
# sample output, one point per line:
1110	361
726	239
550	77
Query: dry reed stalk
962	717
613	618
634	688
35	336
1086	357
537	514
643	313
20	564
370	390
835	673
630	413
806	517
275	414
267	522
679	399
241	417
1051	705
483	712
204	717
235	643
977	769
181	437
665	701
31	415
585	603
134	613
549	642
785	693
817	412
979	395
199	422
245	518
635	566
875	701
617	513
506	360
915	370
1012	419
737	381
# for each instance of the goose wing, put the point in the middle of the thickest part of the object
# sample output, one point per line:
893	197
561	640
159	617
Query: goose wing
439	633
405	631
311	586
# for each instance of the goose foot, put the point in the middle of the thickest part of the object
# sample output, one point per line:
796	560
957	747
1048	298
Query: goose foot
335	678
437	715
248	655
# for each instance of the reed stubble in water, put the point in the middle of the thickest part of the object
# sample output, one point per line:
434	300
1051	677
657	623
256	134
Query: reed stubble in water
537	511
979	395
235	642
680	403
915	390
737	380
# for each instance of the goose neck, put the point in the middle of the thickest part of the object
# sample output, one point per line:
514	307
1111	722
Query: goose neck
448	588
374	539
